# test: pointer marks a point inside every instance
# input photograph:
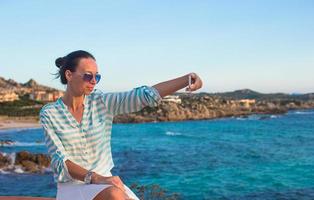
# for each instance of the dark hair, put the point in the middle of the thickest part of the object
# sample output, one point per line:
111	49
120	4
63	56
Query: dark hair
70	62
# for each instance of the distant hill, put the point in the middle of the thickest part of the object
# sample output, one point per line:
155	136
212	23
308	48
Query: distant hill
10	84
240	94
251	94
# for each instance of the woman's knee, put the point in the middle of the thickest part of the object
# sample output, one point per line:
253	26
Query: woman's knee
111	192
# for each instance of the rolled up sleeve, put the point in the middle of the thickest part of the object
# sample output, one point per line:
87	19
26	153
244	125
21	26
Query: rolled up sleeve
131	101
56	150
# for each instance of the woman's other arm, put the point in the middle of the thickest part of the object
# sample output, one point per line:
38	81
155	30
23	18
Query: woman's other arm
78	172
62	166
56	150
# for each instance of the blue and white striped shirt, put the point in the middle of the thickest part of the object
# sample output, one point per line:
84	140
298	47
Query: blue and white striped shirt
88	143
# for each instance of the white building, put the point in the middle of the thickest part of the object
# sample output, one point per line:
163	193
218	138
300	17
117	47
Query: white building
42	95
171	98
8	96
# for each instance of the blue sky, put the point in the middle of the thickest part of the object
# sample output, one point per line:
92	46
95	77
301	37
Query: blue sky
264	45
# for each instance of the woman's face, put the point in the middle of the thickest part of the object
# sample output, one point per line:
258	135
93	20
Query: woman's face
75	79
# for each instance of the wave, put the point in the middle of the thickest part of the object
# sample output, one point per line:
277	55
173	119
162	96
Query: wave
19	129
19	170
250	117
4	172
26	128
257	117
184	135
170	133
21	144
303	112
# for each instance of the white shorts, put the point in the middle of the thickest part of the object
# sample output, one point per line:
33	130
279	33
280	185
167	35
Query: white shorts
80	191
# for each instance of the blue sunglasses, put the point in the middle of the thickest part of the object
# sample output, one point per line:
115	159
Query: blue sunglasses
88	77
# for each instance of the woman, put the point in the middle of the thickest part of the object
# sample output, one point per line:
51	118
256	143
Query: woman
77	127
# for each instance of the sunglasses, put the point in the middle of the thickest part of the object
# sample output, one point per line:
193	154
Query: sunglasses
88	77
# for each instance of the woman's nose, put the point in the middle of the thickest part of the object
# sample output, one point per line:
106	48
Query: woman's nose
93	81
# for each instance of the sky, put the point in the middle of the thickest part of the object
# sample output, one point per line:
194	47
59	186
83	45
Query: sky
263	45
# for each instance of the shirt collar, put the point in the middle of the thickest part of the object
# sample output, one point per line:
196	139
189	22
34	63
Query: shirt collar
61	105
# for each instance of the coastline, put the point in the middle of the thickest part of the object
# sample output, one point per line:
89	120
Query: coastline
8	124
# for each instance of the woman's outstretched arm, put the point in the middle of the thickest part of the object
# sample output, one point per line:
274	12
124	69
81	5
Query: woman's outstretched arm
173	85
136	99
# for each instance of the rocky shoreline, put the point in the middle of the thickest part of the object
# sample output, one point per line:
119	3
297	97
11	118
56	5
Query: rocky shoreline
191	107
24	110
202	107
24	161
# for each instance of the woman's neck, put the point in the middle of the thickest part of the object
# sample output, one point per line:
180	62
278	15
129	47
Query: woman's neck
73	102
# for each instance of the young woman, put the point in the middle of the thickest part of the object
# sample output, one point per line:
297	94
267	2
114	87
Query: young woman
77	127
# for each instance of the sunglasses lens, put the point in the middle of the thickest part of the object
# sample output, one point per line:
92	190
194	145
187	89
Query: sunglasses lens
97	77
88	77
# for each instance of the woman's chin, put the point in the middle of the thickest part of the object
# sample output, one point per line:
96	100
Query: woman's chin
88	91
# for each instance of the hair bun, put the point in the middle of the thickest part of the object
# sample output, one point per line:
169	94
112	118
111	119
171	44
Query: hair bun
60	62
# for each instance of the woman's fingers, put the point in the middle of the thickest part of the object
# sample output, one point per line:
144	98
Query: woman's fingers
119	183
115	181
118	186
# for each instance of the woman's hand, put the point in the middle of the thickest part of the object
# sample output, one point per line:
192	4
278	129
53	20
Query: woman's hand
196	83
113	180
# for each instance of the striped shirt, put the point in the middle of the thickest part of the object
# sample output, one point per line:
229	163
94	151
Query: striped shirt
88	143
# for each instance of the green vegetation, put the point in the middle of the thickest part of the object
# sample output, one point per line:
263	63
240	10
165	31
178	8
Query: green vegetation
22	107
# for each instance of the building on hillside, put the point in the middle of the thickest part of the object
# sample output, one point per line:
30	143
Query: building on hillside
246	102
171	98
8	96
42	95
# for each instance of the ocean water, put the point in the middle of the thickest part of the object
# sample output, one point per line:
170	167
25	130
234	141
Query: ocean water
259	157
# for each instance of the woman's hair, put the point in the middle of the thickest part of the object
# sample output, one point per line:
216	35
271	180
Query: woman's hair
70	62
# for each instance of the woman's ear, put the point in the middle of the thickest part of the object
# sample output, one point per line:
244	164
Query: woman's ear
68	75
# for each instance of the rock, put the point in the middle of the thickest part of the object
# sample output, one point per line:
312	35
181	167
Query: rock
21	156
28	161
29	166
43	160
4	160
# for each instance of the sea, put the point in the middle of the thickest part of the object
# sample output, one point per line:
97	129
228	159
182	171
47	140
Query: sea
255	157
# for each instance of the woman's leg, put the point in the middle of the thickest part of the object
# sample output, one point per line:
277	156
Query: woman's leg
111	192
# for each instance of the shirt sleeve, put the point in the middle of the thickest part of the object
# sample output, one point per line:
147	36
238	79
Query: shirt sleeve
56	150
131	101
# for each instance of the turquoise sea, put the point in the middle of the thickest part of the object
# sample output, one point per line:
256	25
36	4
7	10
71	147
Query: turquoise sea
258	157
